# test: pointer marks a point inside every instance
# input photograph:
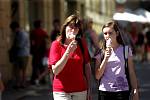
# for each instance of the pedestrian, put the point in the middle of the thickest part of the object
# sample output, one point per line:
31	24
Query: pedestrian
147	36
47	70
53	36
113	82
1	87
90	36
140	47
21	52
70	62
92	41
38	38
56	30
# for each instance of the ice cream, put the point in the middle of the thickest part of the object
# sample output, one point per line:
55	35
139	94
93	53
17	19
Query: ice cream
73	36
108	43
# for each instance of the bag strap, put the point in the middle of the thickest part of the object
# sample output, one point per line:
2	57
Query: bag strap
126	52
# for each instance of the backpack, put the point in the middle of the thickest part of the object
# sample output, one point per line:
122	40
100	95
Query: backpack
126	52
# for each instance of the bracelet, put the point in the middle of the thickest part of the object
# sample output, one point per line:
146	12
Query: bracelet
134	91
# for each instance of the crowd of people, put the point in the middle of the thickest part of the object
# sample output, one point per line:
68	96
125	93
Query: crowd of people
72	53
142	43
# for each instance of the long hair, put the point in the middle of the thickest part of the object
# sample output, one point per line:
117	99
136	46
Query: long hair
114	24
71	19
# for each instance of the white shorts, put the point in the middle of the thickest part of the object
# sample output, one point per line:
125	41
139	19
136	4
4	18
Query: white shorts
70	96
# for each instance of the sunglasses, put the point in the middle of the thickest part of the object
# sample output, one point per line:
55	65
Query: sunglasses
108	33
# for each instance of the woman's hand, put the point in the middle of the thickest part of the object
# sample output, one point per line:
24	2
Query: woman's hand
107	53
72	46
58	67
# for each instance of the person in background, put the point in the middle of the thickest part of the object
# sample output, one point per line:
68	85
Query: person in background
53	36
90	36
110	70
38	39
1	87
128	39
93	46
133	32
140	47
147	36
56	30
70	61
21	45
47	70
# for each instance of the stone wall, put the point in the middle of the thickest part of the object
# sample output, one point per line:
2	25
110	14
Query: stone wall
5	66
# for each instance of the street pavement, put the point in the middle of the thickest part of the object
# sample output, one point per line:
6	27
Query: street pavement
143	74
44	92
32	92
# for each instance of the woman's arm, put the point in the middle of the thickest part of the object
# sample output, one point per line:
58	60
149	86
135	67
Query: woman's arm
88	74
102	64
100	69
58	67
133	79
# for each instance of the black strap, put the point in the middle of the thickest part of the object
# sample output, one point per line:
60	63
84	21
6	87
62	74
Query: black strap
126	67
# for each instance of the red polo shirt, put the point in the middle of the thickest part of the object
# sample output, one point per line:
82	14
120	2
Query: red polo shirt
71	78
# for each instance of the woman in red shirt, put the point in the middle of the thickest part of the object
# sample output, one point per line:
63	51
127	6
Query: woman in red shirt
68	55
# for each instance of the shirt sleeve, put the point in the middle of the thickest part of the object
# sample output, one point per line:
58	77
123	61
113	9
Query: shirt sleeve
86	52
55	53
